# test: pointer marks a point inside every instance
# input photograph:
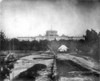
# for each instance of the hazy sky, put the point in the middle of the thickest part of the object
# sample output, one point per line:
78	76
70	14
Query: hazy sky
34	17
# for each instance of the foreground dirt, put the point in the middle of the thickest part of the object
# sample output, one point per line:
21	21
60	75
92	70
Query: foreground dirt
40	68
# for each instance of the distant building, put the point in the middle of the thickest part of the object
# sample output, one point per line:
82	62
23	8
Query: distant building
50	35
26	38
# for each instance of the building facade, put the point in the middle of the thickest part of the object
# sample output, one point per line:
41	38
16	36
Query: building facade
50	35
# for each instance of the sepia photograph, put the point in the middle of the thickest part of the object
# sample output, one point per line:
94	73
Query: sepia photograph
49	40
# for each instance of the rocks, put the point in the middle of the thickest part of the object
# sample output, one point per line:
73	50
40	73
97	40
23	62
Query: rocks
76	79
42	70
43	78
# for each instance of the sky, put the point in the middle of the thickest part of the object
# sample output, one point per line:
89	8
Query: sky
19	18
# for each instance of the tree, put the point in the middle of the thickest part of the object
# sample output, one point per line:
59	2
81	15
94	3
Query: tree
43	45
91	35
2	40
14	44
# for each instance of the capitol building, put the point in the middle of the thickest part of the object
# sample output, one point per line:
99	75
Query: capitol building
50	35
